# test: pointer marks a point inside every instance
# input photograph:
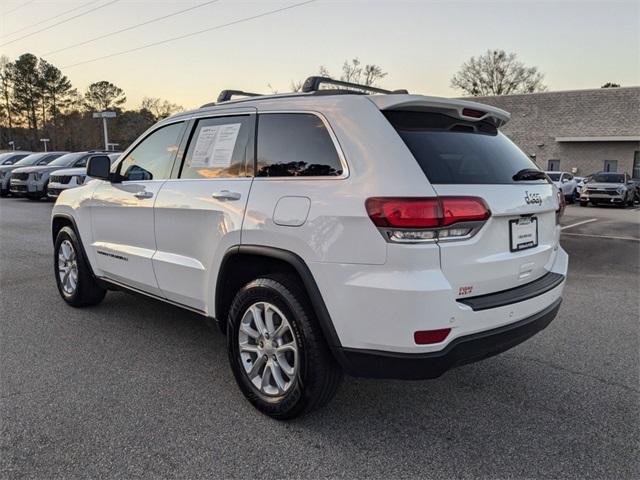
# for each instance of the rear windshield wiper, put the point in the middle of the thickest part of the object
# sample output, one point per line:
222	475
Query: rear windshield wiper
529	174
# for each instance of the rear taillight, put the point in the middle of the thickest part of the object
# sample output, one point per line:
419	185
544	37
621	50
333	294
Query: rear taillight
562	203
410	219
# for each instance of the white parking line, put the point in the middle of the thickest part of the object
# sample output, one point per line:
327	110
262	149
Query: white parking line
579	223
603	236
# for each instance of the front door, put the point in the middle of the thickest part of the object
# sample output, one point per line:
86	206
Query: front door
122	212
199	214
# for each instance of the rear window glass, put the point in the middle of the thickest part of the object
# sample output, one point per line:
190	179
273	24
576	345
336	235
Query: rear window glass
554	176
453	151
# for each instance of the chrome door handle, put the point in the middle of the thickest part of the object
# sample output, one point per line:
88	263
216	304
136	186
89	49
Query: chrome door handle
143	194
226	195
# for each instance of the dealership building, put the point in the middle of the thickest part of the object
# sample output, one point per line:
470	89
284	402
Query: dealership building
578	131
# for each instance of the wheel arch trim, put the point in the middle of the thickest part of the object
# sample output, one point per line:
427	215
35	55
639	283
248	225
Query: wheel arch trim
72	220
299	265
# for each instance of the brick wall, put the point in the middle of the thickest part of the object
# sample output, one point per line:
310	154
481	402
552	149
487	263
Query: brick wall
538	118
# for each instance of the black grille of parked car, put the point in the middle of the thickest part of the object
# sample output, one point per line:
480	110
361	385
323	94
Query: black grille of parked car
60	179
20	176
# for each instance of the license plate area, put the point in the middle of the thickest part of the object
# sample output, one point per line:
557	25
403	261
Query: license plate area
523	233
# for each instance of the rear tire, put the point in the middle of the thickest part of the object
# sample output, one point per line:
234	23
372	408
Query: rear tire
76	284
308	377
584	204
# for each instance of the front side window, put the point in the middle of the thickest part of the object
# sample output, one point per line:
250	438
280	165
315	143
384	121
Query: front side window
295	145
219	147
152	158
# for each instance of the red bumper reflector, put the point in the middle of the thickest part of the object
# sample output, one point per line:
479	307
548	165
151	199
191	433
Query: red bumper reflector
425	337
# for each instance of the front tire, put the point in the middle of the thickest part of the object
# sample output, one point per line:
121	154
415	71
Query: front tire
584	204
76	283
278	355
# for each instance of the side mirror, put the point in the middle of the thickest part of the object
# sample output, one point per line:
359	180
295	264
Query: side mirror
99	166
564	180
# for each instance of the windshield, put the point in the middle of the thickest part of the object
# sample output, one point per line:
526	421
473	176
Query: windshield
31	159
555	177
454	151
607	178
66	160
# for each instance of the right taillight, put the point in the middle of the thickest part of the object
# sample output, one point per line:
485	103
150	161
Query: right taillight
413	220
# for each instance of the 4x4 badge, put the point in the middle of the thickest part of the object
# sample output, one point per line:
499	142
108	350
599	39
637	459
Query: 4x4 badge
532	198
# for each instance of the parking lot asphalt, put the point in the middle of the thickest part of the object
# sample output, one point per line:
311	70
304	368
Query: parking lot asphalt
136	388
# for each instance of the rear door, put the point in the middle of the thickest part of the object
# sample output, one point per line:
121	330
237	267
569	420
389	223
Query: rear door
200	210
122	213
465	158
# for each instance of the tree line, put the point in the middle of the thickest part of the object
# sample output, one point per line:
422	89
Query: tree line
38	101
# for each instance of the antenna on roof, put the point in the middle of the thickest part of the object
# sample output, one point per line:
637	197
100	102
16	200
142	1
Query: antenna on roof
226	95
313	84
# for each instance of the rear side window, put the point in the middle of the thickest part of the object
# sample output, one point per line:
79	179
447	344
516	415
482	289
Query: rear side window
219	147
295	145
453	151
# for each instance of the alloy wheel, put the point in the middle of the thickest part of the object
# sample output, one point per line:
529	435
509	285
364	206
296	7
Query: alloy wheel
67	267
268	349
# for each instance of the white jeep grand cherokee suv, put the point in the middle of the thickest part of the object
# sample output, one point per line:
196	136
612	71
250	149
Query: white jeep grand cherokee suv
386	235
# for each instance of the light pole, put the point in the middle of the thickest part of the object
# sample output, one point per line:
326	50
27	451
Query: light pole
104	116
45	141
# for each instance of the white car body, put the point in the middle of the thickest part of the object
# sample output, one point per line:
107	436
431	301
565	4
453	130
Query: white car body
64	179
67	178
169	239
565	182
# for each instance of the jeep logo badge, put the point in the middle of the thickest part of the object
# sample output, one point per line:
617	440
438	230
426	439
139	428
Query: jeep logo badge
532	198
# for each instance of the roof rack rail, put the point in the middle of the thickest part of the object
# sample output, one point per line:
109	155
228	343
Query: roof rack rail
226	95
313	84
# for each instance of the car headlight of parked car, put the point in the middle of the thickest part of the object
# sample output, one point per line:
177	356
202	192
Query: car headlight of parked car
621	190
80	179
37	176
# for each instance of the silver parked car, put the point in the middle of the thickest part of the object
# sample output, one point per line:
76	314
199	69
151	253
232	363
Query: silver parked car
608	188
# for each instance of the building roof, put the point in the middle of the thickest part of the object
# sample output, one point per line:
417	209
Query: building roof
602	114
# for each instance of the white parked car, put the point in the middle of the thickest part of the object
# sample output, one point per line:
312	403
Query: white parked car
567	183
66	178
386	235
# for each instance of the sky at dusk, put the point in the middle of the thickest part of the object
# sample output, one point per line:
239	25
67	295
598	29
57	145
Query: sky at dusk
421	44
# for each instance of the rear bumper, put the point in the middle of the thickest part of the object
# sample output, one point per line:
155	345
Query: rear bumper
462	350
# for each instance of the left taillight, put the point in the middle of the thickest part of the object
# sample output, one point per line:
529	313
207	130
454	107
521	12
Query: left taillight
423	219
